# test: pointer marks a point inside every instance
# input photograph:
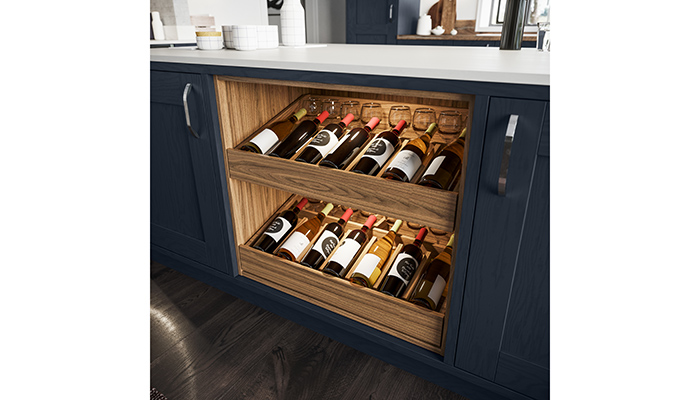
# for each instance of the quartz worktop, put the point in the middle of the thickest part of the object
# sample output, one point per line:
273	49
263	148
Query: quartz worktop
481	64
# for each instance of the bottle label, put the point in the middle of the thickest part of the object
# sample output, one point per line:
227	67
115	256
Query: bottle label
265	140
346	252
369	267
406	161
404	267
436	291
340	143
326	243
379	150
433	167
296	243
324	142
278	228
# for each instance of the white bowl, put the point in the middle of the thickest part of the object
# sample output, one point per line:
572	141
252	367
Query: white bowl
210	42
241	37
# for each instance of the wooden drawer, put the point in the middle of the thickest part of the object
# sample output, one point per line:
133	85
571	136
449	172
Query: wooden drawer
395	316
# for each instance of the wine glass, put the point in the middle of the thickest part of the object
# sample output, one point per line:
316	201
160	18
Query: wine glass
398	113
422	118
351	107
313	106
450	122
370	110
333	108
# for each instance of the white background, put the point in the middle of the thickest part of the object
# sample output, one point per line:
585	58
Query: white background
75	203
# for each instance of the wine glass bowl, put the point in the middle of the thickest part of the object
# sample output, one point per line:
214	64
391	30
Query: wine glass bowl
313	106
422	118
398	113
370	110
333	108
351	107
450	122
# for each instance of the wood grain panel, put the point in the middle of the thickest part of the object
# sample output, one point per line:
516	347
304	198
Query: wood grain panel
385	313
432	207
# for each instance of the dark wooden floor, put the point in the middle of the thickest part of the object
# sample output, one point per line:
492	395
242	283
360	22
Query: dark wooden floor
206	344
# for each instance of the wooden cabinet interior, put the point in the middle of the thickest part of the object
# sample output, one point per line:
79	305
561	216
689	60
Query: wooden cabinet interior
260	186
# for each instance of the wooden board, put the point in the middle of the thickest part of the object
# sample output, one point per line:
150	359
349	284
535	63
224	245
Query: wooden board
388	314
431	207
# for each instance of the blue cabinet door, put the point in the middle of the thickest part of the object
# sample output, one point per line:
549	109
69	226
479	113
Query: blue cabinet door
380	21
508	269
185	218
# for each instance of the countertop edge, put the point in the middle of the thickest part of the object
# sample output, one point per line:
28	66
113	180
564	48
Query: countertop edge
479	76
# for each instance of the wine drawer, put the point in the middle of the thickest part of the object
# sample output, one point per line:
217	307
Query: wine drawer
395	316
408	201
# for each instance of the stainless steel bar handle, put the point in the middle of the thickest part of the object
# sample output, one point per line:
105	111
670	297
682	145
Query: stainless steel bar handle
186	93
391	12
505	159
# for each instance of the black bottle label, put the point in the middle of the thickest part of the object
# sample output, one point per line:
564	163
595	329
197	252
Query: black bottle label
404	267
278	228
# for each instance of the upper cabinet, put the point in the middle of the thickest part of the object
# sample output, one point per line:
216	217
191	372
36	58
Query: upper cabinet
380	21
186	217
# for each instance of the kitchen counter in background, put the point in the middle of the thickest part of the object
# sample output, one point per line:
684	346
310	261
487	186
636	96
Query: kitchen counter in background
480	64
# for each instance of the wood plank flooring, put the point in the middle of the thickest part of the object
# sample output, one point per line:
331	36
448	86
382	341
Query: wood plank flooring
206	344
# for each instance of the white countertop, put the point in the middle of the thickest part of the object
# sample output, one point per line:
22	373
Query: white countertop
484	64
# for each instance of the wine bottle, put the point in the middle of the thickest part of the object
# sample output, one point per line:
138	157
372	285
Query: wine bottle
409	159
370	267
379	150
430	287
324	141
296	243
404	266
279	228
326	242
443	172
345	151
338	264
303	132
263	141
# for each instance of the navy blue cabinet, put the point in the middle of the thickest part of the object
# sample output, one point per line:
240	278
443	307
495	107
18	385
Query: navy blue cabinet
504	324
187	218
380	21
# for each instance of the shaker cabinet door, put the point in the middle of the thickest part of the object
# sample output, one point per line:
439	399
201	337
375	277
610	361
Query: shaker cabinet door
504	320
185	218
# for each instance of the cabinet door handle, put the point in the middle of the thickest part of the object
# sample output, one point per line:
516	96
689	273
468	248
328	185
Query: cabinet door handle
186	93
505	159
391	12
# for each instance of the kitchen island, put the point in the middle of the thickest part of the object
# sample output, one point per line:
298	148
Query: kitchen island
489	339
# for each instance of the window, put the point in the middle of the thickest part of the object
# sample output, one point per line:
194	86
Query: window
490	14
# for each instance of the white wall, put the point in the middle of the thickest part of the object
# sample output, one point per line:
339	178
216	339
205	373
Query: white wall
231	12
466	9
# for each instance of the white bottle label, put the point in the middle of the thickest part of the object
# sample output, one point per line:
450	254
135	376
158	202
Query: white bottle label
404	267
368	264
340	143
436	291
278	228
379	150
326	243
324	142
346	252
265	140
437	162
407	161
296	243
